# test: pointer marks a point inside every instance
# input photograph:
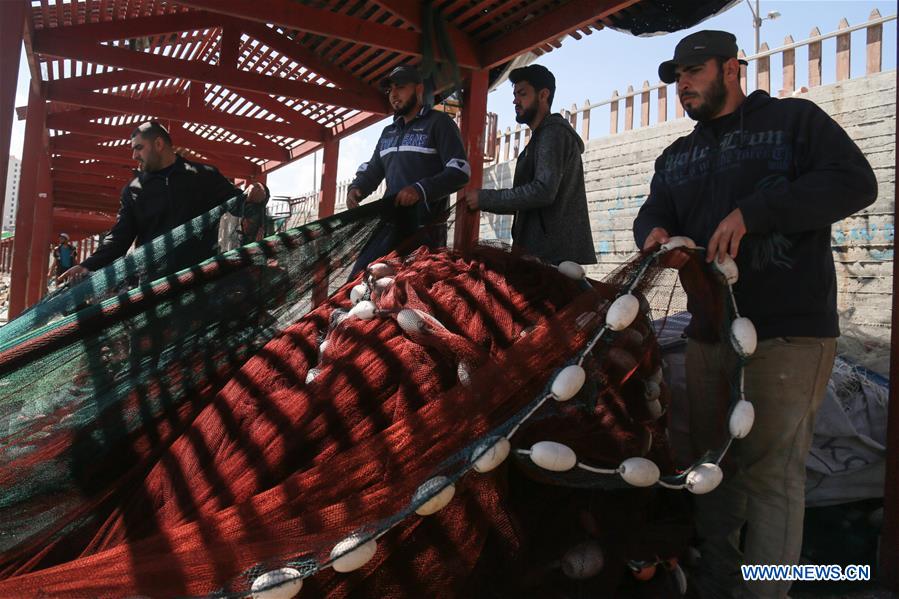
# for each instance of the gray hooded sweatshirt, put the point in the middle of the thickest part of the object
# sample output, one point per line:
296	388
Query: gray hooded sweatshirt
548	197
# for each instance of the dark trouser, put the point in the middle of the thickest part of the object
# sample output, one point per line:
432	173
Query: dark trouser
786	380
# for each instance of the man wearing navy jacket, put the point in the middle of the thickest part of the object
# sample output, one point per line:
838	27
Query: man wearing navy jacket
761	180
422	157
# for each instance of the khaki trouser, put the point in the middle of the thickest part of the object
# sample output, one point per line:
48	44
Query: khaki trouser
764	483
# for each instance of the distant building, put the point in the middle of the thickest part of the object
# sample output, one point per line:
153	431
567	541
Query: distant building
13	177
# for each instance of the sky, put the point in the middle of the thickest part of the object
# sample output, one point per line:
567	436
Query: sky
594	66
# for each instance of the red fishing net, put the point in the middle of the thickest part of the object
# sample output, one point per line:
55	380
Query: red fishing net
401	393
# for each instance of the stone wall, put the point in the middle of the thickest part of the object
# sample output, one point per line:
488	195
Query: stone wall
618	169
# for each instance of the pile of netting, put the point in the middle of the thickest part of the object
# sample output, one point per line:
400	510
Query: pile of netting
444	424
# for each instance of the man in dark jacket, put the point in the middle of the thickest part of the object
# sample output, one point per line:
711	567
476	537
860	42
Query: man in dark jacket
548	197
422	157
167	192
761	180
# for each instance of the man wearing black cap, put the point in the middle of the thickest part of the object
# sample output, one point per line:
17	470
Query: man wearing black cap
548	197
761	180
422	157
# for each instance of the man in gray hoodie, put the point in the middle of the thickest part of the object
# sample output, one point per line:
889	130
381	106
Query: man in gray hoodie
548	197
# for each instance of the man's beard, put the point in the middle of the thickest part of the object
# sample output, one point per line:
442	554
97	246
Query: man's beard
526	115
712	101
406	108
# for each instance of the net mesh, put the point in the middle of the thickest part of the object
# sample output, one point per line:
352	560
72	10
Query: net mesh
186	436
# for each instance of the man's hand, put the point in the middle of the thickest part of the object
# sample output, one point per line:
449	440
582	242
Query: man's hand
726	238
471	199
657	236
674	259
73	275
353	197
407	196
256	193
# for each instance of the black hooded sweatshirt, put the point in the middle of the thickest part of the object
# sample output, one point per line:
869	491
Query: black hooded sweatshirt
793	172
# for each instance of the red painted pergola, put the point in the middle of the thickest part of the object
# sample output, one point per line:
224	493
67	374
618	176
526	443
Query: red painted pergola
246	85
249	85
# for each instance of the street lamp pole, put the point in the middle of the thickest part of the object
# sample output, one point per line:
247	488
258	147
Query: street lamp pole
758	26
757	20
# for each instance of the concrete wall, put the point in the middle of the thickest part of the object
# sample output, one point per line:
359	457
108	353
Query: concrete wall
618	169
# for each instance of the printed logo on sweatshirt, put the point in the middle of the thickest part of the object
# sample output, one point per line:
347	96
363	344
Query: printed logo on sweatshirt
734	149
406	142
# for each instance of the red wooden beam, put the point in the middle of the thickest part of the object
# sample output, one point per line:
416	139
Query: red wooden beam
108	79
180	137
28	185
72	146
411	12
84	205
265	34
181	114
174	99
298	125
84	202
75	165
106	201
353	124
261	147
12	28
40	239
474	116
83	217
547	27
327	23
299	53
108	195
341	130
101	192
79	223
329	178
47	43
76	147
98	180
136	27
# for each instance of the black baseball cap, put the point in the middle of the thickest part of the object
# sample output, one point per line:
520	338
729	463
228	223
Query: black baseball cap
698	47
400	76
537	75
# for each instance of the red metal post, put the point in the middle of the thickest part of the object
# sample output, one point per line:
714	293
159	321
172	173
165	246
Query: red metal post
329	178
41	236
326	202
889	544
25	213
12	25
474	119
